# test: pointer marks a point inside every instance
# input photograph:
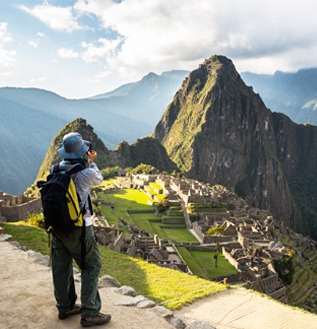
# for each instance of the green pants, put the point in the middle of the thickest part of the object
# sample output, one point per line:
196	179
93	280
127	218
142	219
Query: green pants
64	250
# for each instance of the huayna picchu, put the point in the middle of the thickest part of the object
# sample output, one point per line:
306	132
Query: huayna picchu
218	131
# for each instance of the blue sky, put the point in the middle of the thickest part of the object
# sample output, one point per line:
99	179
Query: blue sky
81	48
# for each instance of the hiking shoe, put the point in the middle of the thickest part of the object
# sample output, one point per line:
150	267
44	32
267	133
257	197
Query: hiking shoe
98	320
64	315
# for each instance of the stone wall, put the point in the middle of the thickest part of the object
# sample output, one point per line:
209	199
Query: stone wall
173	220
18	208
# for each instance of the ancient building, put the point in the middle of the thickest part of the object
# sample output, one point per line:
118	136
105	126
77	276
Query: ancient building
16	208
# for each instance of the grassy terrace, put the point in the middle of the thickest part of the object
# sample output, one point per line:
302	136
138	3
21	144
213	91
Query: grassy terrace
202	263
170	288
120	201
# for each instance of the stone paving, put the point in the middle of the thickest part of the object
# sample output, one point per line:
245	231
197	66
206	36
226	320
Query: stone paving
242	309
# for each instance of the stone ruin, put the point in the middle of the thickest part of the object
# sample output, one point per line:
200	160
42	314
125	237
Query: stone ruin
247	232
16	208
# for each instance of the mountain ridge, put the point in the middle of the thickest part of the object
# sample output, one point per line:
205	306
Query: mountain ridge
293	94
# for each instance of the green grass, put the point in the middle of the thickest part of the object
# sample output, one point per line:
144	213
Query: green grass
192	263
174	234
122	200
167	287
130	199
170	288
30	237
202	263
108	183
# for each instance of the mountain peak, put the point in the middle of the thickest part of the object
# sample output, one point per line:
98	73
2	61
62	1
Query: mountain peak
217	130
79	125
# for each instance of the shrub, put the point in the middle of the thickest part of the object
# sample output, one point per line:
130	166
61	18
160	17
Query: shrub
35	219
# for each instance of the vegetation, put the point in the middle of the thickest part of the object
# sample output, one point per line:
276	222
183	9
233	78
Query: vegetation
143	168
304	190
29	236
167	287
170	288
284	268
110	172
216	231
202	263
118	204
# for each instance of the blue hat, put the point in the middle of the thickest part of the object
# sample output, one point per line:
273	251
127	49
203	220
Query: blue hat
73	146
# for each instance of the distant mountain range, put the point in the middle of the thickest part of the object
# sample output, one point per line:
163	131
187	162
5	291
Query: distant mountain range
31	118
294	94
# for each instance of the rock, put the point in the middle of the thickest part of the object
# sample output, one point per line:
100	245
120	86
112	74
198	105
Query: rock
176	322
146	304
131	301
16	244
5	237
199	325
108	281
39	258
125	290
162	311
77	275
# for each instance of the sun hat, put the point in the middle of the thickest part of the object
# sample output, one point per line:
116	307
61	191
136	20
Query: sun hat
73	146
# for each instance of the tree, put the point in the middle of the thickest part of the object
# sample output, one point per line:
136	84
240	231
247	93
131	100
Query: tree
162	206
216	231
143	168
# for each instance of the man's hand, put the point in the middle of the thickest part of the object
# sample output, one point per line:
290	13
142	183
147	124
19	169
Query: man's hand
92	156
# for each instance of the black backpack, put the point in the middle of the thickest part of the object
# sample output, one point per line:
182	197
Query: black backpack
61	205
61	202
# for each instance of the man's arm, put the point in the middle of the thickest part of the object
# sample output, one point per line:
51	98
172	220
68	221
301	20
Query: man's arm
95	176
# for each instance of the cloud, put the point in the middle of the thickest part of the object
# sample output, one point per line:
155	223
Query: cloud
163	33
67	53
103	49
40	34
40	79
7	57
57	18
123	40
33	44
4	34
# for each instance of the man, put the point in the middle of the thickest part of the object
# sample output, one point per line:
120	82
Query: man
74	150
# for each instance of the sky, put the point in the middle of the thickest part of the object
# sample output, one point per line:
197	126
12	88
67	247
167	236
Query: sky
82	48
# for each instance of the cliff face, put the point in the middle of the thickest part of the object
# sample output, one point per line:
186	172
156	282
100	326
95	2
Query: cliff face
146	150
217	130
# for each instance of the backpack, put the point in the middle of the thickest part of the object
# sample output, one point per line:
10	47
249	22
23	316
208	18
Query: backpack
61	202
